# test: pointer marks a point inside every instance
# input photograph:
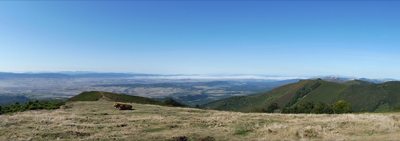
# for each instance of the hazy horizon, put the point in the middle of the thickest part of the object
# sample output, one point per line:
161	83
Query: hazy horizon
277	38
202	76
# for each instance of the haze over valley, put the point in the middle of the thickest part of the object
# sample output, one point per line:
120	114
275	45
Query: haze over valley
191	89
188	89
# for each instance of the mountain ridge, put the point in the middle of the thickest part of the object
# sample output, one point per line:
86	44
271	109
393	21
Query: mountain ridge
115	97
374	96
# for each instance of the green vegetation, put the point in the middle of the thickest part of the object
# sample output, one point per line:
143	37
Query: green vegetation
304	107
382	108
304	91
309	107
86	96
171	102
363	110
130	98
360	94
284	99
31	105
96	95
373	97
242	132
322	108
327	92
258	101
228	104
342	107
271	108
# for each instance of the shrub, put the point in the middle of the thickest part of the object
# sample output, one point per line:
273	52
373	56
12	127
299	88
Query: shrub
309	107
342	107
328	109
271	108
322	108
16	107
171	102
363	110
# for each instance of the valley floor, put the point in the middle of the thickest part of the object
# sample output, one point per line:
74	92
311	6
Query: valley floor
101	121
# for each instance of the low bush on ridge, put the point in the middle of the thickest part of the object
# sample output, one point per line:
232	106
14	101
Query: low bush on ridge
310	107
31	105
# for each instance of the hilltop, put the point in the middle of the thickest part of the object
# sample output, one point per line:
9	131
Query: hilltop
360	94
99	120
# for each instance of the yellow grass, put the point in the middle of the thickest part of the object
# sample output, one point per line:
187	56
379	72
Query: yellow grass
101	121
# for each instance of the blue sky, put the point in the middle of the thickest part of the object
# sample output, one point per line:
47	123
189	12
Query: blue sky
307	38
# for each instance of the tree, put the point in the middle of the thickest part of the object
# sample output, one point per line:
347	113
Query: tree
271	108
328	109
319	108
284	110
363	110
342	107
322	108
171	102
307	107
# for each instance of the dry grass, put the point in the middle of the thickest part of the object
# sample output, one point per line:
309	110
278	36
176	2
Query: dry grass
101	121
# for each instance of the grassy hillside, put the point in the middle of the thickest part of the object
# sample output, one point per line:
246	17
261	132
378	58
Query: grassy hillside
96	95
247	103
327	92
360	94
291	92
86	96
99	120
372	97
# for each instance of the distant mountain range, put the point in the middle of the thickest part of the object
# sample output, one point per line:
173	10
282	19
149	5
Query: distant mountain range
359	93
344	79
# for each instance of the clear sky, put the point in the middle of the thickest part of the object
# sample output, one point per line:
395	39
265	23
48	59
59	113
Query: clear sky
306	38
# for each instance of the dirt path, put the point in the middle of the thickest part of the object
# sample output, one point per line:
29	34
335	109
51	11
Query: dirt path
103	97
